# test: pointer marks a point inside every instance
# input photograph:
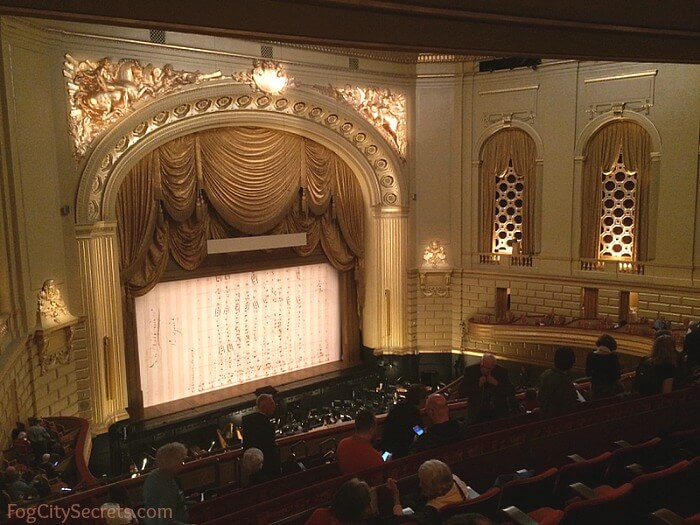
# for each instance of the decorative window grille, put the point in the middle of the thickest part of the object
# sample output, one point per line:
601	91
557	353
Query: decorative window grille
508	218
617	219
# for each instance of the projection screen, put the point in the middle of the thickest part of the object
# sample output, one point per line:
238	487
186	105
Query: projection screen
203	334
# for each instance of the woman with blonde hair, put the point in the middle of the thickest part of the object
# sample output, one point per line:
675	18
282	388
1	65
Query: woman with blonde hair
439	489
656	372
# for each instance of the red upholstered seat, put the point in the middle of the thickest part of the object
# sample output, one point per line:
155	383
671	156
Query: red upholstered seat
610	509
529	493
616	472
486	503
664	486
590	472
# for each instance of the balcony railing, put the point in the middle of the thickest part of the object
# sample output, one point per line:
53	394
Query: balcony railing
506	259
612	266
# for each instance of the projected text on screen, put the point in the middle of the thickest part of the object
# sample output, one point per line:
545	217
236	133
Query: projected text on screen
199	335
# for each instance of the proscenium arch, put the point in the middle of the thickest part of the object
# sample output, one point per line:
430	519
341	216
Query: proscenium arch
309	114
302	112
477	152
582	140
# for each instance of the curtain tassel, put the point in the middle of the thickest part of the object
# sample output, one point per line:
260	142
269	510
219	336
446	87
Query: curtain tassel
199	207
304	203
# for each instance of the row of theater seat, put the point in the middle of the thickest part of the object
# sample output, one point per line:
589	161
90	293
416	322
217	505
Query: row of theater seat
548	498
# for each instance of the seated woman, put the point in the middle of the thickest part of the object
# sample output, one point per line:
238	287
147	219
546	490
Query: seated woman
439	488
351	506
603	367
656	372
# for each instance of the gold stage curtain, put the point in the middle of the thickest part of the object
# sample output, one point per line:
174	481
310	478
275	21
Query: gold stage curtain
502	147
254	181
600	154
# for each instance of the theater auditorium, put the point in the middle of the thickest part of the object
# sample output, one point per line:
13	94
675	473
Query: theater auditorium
345	263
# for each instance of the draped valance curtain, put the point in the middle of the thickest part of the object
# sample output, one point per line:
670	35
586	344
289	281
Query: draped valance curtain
600	154
502	147
232	182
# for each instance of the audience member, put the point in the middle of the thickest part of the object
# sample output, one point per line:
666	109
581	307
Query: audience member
557	393
530	403
656	372
351	505
489	392
439	488
162	489
117	510
603	367
253	461
259	432
16	487
41	484
691	347
398	426
471	518
47	466
442	429
356	453
39	437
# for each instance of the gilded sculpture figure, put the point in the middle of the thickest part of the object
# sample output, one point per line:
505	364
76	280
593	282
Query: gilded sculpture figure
100	92
384	109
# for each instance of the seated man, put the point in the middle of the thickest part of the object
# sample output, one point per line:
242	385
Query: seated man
259	432
16	487
442	430
489	392
252	462
39	436
355	453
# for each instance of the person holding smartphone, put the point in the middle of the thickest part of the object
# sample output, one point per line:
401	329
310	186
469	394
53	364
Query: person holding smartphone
399	429
356	453
489	392
442	429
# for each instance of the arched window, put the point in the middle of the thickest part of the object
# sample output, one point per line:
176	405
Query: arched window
616	176
507	175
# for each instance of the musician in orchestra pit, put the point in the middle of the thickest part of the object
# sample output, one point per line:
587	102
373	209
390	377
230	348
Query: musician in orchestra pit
259	432
489	392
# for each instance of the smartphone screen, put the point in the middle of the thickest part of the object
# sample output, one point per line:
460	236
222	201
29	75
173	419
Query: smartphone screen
418	430
386	456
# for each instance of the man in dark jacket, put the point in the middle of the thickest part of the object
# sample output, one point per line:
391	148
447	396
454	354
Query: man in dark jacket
398	434
489	392
442	430
259	432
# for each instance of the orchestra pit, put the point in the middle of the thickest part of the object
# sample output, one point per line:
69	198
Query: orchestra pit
349	263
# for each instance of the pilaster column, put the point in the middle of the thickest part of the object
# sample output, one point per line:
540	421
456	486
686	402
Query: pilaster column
99	273
392	282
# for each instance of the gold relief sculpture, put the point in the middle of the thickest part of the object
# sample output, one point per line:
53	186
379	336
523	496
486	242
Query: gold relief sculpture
267	76
382	108
100	92
434	254
55	328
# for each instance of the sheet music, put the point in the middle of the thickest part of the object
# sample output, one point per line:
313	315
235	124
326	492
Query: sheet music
199	335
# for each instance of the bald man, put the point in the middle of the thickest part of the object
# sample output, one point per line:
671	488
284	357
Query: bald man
442	429
489	392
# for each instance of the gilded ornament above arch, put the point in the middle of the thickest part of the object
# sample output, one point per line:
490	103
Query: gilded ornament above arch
377	153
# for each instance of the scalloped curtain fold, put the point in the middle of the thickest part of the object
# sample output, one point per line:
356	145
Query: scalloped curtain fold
216	183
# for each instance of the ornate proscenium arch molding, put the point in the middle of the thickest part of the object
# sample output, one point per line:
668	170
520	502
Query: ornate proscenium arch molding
217	104
222	104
